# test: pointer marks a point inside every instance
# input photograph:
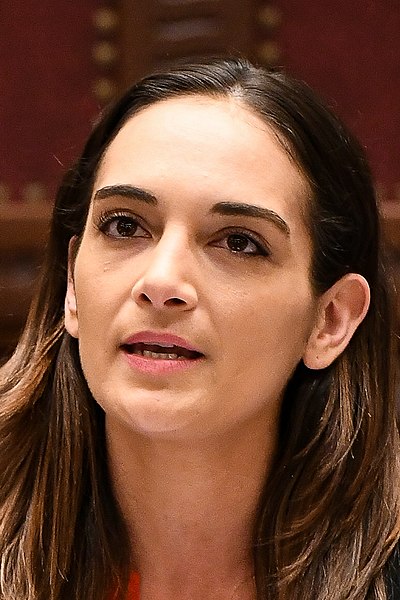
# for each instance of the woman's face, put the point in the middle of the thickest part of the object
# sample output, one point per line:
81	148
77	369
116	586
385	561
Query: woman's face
191	283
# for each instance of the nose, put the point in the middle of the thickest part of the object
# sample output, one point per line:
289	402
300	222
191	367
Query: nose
166	282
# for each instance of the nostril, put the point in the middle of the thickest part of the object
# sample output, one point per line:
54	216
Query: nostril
174	302
145	298
169	302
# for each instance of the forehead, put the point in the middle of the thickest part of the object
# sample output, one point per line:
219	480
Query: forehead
219	145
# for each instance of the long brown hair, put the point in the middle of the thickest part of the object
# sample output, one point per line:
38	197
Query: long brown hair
329	517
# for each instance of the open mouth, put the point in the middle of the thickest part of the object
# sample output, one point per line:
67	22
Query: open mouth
158	352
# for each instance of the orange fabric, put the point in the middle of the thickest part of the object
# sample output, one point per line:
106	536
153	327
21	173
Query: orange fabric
133	588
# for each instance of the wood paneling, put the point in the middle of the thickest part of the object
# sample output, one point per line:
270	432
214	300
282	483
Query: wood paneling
24	231
154	32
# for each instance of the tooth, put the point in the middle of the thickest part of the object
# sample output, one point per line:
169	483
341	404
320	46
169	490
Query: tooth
159	355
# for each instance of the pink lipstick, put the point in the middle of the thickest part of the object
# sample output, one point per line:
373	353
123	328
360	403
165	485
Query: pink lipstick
160	353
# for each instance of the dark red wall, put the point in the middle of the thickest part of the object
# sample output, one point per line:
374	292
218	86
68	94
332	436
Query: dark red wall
350	51
46	76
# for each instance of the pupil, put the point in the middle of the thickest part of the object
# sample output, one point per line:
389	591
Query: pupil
126	226
237	243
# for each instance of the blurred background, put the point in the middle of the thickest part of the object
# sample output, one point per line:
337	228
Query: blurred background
61	62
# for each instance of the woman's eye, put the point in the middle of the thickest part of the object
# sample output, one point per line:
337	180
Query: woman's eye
240	243
121	226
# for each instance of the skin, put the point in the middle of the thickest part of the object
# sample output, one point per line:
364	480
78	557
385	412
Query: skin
178	441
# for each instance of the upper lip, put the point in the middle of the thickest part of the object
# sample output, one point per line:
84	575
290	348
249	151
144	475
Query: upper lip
162	339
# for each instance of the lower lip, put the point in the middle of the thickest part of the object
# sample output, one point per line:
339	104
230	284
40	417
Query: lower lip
159	366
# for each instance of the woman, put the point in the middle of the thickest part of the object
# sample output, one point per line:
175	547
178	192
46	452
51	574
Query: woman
212	409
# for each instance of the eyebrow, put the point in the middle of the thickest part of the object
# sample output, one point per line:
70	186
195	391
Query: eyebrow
221	208
126	191
250	210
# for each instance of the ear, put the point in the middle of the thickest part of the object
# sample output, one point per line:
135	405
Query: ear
71	313
340	311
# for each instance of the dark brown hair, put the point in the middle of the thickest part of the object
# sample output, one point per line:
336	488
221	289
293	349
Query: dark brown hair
329	517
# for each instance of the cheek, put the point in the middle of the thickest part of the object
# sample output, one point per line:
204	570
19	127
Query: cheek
96	309
266	342
272	326
99	291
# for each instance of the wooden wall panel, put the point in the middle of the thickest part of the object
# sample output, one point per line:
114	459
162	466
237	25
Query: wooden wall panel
156	31
23	238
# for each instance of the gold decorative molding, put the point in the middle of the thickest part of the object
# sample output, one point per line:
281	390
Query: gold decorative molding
390	213
106	20
105	54
33	192
5	194
268	53
268	20
269	16
18	222
104	89
397	192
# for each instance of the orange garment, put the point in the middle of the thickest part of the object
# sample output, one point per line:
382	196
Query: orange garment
133	588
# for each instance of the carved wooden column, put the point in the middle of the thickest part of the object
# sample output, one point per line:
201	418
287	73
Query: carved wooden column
154	32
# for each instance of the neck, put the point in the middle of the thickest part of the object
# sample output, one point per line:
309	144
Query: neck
190	510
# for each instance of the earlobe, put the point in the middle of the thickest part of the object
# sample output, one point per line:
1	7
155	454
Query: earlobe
341	310
70	308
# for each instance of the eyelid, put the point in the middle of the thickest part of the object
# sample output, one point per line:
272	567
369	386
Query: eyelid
262	245
105	218
106	215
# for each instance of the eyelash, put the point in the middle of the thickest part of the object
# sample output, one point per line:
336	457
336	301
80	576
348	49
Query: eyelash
261	247
106	219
